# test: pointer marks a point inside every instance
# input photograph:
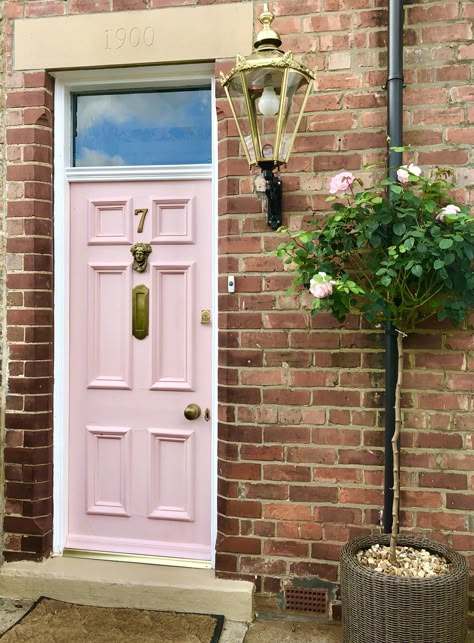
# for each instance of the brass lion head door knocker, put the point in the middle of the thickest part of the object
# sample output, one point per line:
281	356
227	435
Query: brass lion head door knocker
140	252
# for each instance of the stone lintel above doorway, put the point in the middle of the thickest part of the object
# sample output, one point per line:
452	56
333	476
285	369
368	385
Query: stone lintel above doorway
181	34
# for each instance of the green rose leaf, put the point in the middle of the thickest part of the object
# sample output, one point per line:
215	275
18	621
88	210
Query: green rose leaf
444	244
399	228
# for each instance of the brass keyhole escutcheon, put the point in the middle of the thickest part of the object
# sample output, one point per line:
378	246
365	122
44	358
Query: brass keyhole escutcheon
205	317
192	411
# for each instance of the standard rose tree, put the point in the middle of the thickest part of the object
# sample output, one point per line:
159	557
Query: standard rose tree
401	259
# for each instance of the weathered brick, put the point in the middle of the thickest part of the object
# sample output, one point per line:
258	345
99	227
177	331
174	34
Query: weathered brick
313	455
240	508
326	551
288	530
464	502
443	480
438	520
266	491
361	496
233	433
320	570
288	548
449	33
241	470
264	452
239	545
239	395
314	493
286	511
292	473
336	474
336	398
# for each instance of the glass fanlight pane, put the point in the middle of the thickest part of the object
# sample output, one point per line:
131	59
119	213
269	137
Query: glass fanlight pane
167	127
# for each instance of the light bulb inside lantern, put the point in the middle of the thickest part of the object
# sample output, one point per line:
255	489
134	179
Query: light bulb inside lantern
269	102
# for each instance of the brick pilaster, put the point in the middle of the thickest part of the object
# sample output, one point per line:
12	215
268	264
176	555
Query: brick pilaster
29	280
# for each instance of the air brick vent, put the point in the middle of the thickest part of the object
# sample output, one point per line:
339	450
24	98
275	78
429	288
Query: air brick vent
307	601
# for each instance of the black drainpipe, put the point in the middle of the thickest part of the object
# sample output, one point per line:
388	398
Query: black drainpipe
395	139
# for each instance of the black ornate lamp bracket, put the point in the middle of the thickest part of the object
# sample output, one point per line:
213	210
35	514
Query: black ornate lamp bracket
273	191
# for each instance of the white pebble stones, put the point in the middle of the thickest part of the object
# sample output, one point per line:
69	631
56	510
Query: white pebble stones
417	563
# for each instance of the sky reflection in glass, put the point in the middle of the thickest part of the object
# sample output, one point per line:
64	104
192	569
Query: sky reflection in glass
146	128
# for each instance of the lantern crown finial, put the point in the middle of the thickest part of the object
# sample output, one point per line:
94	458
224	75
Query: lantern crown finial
267	38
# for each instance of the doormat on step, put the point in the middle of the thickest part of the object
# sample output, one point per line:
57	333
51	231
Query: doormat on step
51	621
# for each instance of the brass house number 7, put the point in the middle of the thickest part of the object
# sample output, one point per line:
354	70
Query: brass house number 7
141	223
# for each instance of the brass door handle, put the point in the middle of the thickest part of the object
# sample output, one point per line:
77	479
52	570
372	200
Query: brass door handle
192	411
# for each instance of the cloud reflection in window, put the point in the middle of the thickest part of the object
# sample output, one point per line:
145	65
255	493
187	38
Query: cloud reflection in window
146	128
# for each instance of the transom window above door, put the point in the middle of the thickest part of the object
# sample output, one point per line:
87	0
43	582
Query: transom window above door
160	127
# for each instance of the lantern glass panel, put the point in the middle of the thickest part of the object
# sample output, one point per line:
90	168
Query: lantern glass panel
292	104
264	86
239	100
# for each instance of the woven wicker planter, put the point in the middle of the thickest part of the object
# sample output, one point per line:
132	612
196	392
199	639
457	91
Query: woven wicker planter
377	608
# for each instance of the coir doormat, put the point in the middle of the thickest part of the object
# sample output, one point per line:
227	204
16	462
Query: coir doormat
51	621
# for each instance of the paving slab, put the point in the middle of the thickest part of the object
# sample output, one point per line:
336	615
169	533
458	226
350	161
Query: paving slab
233	632
11	611
272	631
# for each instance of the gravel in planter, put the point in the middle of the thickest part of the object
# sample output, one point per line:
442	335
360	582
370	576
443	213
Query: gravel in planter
417	563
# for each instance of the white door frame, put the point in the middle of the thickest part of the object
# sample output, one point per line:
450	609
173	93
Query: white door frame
111	79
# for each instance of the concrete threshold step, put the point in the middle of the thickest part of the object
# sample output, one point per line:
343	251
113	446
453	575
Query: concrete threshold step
135	585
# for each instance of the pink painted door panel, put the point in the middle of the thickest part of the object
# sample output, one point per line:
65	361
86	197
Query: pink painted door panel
139	472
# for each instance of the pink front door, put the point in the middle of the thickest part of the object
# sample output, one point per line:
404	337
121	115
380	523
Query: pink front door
139	471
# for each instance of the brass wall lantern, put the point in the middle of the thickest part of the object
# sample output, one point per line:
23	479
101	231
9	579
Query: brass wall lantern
267	92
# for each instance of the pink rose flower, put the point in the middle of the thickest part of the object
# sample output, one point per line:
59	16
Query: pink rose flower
448	209
320	288
341	183
403	173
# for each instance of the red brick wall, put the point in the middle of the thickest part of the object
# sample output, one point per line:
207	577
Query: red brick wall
301	399
300	449
3	292
28	352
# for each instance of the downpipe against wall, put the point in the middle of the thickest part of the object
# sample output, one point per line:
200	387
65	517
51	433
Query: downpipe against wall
395	139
